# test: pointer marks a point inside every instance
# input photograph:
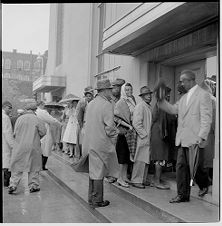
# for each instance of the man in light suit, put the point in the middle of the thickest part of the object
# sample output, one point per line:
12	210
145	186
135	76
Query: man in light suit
194	111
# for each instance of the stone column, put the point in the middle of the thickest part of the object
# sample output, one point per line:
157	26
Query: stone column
216	161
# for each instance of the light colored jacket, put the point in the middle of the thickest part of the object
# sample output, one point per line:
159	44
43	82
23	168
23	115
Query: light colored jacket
194	119
7	140
100	139
47	141
142	120
26	154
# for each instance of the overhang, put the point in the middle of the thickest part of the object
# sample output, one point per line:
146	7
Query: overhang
152	24
49	83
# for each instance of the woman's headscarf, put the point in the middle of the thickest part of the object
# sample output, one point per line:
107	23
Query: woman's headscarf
124	96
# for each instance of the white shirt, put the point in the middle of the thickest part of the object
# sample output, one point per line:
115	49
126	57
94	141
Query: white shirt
190	92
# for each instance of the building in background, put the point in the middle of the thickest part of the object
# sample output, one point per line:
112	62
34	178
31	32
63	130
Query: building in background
139	42
19	70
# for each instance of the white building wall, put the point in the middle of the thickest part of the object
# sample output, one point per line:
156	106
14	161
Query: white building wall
52	40
76	44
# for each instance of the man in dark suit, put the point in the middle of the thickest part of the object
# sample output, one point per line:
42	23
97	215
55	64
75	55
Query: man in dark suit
194	111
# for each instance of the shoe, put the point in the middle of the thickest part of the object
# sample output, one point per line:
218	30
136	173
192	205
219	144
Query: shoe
203	192
31	190
179	199
162	186
122	183
138	185
11	189
147	183
111	179
101	204
44	168
71	156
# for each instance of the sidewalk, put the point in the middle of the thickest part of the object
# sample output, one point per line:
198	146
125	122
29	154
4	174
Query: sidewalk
50	205
153	201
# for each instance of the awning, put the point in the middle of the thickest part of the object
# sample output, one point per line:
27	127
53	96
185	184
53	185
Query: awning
49	83
152	24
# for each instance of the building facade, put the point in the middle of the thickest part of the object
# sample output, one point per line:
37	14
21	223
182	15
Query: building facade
19	70
139	42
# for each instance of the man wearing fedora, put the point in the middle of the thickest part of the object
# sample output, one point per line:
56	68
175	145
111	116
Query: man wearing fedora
142	120
26	154
99	141
116	90
80	115
116	94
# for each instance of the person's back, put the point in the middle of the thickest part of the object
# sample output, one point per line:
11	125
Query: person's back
27	138
26	154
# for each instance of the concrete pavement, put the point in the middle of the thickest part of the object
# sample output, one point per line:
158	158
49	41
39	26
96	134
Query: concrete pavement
51	205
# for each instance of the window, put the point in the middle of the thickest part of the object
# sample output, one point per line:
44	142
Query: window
27	65
37	66
7	75
7	64
2	62
20	65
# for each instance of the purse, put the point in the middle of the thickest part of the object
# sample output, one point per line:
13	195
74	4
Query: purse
82	165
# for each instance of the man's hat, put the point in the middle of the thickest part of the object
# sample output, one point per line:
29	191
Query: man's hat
118	82
31	106
89	89
6	103
145	90
103	84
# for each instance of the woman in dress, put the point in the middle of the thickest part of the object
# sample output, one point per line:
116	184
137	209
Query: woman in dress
70	134
160	142
126	141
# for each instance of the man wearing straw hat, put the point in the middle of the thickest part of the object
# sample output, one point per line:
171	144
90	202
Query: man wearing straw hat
194	111
99	141
26	154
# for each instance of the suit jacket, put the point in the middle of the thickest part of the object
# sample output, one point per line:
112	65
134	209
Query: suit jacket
194	119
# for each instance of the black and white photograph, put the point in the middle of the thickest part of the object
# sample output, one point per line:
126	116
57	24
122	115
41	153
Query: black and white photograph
111	112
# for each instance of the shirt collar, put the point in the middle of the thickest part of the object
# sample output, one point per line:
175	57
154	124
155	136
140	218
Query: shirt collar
192	89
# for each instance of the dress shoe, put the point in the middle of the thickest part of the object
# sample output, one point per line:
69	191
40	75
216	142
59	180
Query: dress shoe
179	199
11	189
100	204
147	183
31	190
162	186
122	183
138	185
203	192
111	179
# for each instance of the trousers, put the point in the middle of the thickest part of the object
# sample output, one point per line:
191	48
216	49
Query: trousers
6	175
95	193
139	173
183	172
33	179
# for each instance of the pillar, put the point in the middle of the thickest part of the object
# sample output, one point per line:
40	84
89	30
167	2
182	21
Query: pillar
216	161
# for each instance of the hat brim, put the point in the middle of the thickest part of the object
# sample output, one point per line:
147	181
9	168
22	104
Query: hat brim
142	94
90	92
104	88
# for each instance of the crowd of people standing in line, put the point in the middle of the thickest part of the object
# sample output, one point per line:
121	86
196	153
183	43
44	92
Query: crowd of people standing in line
120	137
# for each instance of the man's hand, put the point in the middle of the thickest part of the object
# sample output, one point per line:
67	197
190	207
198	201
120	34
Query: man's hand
200	141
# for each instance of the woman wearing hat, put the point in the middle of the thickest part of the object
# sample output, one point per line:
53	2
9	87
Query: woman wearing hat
160	141
70	134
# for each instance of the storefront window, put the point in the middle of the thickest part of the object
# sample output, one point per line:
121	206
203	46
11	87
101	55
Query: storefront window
7	64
